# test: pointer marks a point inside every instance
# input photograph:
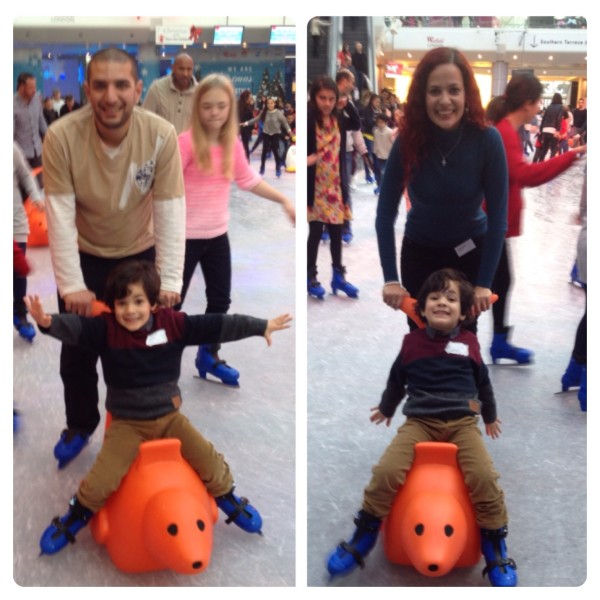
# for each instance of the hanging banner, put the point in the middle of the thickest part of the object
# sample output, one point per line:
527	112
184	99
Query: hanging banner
261	78
175	35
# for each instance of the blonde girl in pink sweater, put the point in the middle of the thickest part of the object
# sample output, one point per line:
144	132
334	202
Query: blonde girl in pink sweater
213	157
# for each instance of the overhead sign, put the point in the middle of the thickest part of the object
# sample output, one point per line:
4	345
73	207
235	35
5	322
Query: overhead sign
488	39
175	35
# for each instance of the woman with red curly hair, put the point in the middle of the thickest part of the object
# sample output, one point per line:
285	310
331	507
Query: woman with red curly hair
449	160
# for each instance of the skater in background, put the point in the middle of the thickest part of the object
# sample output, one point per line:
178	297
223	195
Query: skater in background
447	386
383	139
550	128
212	157
23	182
355	147
517	106
287	139
563	136
49	113
20	269
327	185
273	122
367	117
449	160
576	372
259	137
246	113
315	26
142	392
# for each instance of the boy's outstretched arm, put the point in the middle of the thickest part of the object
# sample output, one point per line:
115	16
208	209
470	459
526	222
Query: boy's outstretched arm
37	312
276	324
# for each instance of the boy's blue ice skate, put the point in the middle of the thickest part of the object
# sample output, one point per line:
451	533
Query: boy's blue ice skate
71	443
339	283
501	348
501	570
209	362
62	530
24	327
349	555
240	512
572	376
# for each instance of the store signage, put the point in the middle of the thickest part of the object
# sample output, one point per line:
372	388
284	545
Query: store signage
393	69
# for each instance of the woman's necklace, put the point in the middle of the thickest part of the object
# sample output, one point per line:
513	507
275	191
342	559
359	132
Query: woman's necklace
445	156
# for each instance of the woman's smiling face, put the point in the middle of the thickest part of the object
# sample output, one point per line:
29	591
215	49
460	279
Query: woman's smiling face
445	96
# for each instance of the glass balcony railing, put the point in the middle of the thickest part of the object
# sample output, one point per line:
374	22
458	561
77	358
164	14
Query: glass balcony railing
498	22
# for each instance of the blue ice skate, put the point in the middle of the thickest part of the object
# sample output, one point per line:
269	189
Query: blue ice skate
240	512
70	444
347	235
208	362
62	530
314	288
501	348
25	329
501	570
582	393
339	283
349	555
572	376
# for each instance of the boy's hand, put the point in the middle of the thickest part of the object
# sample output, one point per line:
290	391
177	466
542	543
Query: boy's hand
493	429
36	310
276	324
378	417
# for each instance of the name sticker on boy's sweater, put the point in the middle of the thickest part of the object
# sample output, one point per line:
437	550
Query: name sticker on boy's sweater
157	337
457	348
